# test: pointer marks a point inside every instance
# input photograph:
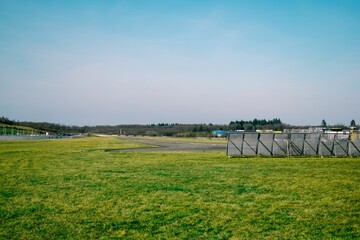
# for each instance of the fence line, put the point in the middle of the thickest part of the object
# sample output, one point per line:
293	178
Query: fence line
9	133
293	144
37	137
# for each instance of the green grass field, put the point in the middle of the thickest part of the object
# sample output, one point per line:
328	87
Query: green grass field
73	189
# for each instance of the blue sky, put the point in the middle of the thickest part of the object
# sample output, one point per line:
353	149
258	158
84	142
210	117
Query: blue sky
118	62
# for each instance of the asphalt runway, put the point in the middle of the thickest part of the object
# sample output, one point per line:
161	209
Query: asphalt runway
172	146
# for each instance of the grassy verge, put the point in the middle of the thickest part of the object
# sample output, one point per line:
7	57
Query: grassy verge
74	189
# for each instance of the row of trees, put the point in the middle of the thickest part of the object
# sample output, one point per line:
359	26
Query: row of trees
324	124
6	121
274	124
162	129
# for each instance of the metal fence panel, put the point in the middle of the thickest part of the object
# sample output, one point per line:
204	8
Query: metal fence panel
311	144
293	144
296	144
280	145
354	148
234	145
265	145
249	144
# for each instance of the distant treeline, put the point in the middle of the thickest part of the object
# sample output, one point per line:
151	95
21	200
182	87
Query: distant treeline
6	121
274	124
159	129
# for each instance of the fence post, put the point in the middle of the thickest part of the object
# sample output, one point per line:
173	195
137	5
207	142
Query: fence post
318	145
257	145
333	145
303	145
272	144
288	144
242	144
227	144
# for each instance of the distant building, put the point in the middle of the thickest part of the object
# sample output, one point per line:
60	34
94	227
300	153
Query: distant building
267	131
223	133
219	133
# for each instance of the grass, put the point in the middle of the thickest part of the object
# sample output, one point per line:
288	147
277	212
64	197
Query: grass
73	189
185	139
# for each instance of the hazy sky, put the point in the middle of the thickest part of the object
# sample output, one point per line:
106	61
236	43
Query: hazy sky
117	62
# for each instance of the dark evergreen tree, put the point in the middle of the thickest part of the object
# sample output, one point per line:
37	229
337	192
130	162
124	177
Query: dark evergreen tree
323	123
352	123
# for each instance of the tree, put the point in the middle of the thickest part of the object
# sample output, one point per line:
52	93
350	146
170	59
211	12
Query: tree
323	123
352	123
7	121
